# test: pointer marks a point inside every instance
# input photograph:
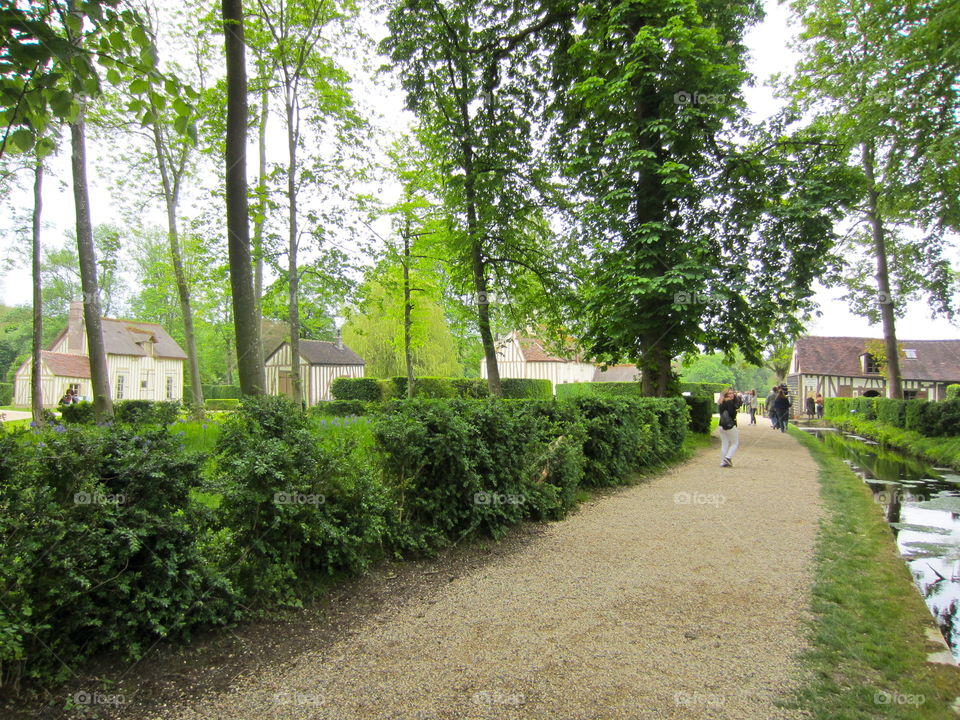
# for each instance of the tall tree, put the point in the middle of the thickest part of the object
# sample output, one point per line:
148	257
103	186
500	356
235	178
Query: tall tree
699	239
36	385
473	73
245	306
882	79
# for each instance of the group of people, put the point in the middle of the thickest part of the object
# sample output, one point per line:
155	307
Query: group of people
70	397
777	406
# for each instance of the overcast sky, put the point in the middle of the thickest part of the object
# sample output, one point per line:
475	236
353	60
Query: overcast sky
770	54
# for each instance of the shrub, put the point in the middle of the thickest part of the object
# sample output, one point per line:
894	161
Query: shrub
701	413
221	392
953	392
96	551
222	404
526	388
838	408
707	390
865	407
80	413
6	393
339	408
432	387
146	412
366	389
566	391
292	505
472	388
948	419
891	411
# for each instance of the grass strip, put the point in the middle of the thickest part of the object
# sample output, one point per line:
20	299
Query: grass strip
868	644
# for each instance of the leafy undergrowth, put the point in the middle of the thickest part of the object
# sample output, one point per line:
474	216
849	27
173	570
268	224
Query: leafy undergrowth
868	654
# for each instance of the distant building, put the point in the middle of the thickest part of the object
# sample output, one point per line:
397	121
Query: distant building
844	367
143	362
523	356
320	363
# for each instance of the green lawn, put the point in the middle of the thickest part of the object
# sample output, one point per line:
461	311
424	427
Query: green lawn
868	655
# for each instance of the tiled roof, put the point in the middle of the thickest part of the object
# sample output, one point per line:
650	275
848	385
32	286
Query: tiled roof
63	365
125	337
533	350
319	352
935	359
616	373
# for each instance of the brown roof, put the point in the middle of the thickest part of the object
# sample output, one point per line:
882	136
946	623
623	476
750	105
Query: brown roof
63	365
936	359
320	352
533	350
616	373
123	337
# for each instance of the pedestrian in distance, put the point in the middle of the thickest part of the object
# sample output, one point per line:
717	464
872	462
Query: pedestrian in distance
819	404
752	404
781	407
811	407
729	435
770	412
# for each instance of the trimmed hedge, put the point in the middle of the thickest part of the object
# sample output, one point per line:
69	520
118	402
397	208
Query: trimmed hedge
221	392
6	393
953	392
146	412
339	408
222	404
703	389
566	391
365	389
80	413
931	419
526	388
701	413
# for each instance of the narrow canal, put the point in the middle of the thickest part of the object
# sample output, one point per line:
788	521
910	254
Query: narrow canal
922	505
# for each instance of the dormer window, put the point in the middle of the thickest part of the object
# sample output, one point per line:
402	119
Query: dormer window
869	364
910	354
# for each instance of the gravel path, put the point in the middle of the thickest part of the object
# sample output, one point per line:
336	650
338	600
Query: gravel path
679	598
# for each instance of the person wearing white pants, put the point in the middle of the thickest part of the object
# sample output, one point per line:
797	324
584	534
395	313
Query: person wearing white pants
729	434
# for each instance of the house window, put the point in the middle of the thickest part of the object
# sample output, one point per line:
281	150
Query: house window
911	354
121	384
169	387
75	388
909	394
870	365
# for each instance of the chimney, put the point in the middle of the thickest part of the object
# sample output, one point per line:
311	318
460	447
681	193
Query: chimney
75	328
339	342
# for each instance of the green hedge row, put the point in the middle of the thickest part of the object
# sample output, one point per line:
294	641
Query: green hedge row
379	390
106	544
136	412
6	393
953	392
221	404
700	406
703	389
931	419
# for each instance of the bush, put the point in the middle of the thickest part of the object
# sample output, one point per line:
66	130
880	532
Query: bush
365	389
891	412
953	392
222	404
913	415
526	388
6	393
146	412
707	390
293	505
701	413
339	408
865	407
470	388
96	549
80	413
837	408
221	392
566	391
432	388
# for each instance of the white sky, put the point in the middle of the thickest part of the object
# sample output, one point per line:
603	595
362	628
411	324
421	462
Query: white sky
770	54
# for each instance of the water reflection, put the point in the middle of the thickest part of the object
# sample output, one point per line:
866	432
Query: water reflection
922	505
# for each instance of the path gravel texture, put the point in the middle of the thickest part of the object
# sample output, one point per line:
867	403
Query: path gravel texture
682	597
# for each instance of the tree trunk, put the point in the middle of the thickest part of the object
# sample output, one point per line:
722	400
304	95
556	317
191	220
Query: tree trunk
892	369
407	308
171	196
36	387
293	272
260	220
96	350
246	319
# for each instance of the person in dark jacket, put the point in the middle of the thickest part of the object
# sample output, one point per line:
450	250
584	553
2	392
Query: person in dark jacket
729	434
811	407
781	408
769	406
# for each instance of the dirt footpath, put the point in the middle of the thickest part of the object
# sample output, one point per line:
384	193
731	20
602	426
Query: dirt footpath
679	598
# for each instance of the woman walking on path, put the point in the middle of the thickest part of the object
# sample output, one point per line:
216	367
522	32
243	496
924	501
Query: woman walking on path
752	404
729	435
781	409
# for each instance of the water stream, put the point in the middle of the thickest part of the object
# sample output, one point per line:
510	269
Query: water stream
922	505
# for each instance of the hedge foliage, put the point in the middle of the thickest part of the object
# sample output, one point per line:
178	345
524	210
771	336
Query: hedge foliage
953	392
364	389
133	412
701	413
526	388
931	419
703	389
6	393
436	388
221	404
107	543
566	391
